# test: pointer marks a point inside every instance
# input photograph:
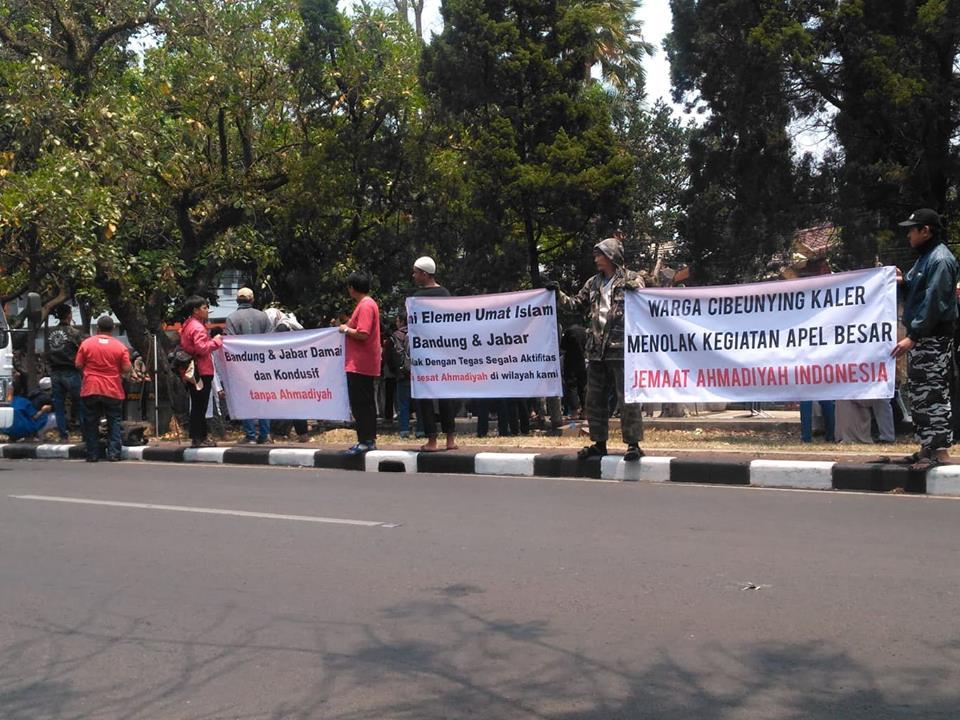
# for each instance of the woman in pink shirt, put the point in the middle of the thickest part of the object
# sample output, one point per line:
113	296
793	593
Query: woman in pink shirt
195	340
362	361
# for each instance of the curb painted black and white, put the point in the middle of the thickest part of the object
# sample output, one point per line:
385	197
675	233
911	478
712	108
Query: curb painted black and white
794	474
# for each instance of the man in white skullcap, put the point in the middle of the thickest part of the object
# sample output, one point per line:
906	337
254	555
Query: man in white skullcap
424	270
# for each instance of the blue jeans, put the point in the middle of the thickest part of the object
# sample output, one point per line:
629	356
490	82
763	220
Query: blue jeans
806	420
66	383
403	405
111	408
250	429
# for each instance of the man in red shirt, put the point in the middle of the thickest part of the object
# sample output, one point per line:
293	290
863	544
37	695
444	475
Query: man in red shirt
104	362
362	362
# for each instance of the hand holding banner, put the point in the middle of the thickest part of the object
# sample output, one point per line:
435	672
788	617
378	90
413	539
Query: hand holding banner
484	346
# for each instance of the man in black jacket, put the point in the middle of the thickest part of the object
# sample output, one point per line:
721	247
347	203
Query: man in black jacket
62	343
929	316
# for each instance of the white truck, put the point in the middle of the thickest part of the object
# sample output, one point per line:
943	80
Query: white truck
33	309
6	373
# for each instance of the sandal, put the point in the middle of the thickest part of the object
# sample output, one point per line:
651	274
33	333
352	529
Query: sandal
595	450
926	463
633	453
907	460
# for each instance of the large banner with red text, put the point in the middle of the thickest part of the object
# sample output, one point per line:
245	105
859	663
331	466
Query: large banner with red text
285	376
821	338
484	346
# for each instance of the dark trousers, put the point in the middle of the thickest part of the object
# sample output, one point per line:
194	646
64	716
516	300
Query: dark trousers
513	417
363	405
605	381
389	392
66	384
199	399
448	409
501	407
95	407
403	405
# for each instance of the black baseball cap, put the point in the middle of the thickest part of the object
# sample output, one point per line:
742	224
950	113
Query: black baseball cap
923	216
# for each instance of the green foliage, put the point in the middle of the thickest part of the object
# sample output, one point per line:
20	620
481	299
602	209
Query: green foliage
365	169
134	178
739	209
886	71
658	142
545	169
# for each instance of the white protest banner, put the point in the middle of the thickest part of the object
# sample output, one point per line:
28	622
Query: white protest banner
819	338
285	376
484	346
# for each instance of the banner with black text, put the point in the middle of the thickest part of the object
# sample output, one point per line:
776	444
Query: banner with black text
821	338
484	346
285	376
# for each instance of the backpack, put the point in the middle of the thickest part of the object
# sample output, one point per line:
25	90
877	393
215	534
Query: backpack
181	362
179	359
401	351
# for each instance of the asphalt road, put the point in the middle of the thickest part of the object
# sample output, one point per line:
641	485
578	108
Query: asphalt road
467	597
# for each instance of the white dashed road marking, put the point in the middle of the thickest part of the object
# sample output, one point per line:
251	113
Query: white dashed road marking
207	511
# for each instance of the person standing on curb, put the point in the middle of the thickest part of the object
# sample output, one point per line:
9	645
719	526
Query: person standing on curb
929	316
63	341
362	361
196	341
603	295
284	322
248	320
424	270
104	362
401	351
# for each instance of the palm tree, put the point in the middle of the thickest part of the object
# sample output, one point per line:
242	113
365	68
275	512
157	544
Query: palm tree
618	44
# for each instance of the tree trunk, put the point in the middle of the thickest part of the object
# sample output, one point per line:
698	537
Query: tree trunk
139	333
418	17
533	252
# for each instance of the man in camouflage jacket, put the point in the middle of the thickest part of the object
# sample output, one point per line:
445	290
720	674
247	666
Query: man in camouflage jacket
603	296
929	316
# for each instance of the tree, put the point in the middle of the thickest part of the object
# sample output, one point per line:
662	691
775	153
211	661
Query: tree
615	38
136	184
739	205
887	68
365	156
657	141
57	66
546	169
403	10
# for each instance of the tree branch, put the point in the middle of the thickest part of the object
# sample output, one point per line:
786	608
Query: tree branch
107	34
10	40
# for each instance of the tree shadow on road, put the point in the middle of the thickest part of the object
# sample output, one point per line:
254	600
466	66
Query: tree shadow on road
444	657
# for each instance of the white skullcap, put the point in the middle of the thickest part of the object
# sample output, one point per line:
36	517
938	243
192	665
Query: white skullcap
426	264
